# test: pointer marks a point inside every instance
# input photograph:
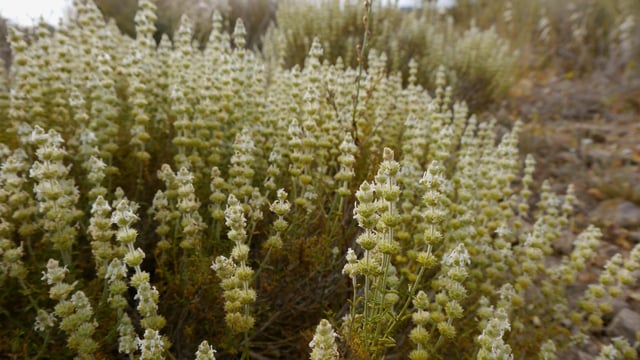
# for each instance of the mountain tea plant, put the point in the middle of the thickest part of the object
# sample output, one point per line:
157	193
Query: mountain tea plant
481	65
158	201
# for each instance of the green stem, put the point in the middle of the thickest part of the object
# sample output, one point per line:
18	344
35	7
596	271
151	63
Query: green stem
176	265
44	345
182	266
412	290
66	257
263	264
245	347
330	214
27	291
109	178
435	347
250	234
367	284
139	180
30	249
386	261
355	297
214	235
386	258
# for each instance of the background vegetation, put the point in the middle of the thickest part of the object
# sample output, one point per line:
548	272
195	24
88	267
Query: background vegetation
171	183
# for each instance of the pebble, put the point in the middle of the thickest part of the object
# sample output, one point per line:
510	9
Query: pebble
625	324
617	212
628	215
618	305
564	243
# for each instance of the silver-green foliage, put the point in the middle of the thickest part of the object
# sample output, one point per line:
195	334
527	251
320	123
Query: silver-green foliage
432	212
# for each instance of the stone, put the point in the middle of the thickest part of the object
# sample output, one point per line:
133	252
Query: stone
617	212
564	243
618	305
634	236
626	323
628	215
599	156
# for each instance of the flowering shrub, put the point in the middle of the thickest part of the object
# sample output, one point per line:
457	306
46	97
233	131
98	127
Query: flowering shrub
578	36
481	65
165	201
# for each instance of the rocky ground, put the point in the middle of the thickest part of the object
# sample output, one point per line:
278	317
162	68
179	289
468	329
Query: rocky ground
587	132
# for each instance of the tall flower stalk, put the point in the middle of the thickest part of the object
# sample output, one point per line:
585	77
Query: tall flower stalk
55	191
236	275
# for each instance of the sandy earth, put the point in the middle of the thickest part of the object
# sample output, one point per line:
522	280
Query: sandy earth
587	132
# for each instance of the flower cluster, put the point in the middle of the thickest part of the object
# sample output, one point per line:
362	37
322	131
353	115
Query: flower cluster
235	273
420	335
377	214
75	314
101	233
159	158
492	345
280	207
188	205
57	194
152	344
205	352
323	346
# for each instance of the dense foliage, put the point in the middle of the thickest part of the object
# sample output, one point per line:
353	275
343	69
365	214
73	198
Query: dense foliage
158	201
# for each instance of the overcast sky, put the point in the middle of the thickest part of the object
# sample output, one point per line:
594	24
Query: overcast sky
26	12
